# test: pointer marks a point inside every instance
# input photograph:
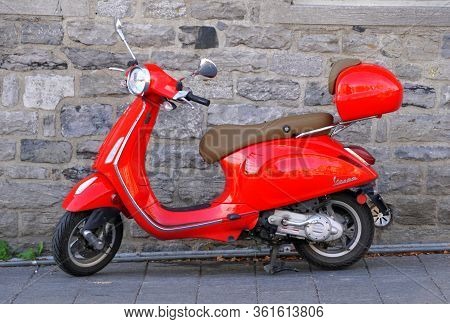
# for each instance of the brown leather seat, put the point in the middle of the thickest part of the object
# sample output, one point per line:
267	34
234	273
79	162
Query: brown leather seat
219	141
337	68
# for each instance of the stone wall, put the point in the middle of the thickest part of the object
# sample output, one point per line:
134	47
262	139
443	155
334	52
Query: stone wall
58	100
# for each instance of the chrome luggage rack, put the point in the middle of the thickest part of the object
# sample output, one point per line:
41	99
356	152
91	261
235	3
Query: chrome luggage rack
335	128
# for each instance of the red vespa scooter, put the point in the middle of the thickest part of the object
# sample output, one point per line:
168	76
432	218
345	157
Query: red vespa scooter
287	181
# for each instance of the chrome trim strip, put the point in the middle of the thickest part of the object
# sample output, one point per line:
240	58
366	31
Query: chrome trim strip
336	128
353	153
139	209
315	131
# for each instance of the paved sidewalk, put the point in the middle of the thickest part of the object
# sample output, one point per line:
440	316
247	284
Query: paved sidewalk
408	279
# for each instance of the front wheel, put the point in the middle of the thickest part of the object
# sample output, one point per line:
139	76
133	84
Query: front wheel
357	238
72	252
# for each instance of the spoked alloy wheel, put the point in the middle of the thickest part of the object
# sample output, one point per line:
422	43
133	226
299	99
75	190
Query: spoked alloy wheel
74	255
357	237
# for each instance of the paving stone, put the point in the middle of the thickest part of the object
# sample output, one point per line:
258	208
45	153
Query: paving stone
13	280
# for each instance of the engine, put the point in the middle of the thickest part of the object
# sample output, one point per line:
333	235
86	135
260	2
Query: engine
316	227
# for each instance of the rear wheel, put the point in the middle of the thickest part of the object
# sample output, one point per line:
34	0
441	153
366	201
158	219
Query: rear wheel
358	234
71	251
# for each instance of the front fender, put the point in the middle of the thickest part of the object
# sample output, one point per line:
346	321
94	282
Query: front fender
93	192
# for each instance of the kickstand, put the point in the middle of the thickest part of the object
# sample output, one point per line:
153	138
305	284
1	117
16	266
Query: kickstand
275	264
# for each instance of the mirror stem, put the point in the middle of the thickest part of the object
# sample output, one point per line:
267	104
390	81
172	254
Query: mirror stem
129	50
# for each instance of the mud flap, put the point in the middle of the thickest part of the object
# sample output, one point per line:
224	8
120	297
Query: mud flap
382	214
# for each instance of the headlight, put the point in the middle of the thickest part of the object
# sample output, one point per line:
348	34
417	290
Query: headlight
138	81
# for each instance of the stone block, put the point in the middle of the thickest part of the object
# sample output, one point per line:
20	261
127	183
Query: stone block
92	32
76	173
10	91
298	65
31	195
439	72
88	149
422	47
101	83
164	9
357	43
445	50
391	46
163	186
239	60
359	133
115	8
241	114
7	150
46	91
92	59
408	71
176	155
226	10
42	223
415	210
317	94
9	35
445	96
26	172
259	37
47	33
44	151
381	134
196	187
182	61
420	128
35	59
438	182
18	123
219	88
259	89
323	43
444	211
144	35
423	153
86	120
400	179
9	224
418	96
49	126
198	37
65	8
182	123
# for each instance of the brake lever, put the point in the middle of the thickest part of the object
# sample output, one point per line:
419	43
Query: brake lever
188	102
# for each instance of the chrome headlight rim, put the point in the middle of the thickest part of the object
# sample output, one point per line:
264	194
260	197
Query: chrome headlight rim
147	79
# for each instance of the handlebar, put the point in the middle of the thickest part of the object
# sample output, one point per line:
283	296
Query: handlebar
202	101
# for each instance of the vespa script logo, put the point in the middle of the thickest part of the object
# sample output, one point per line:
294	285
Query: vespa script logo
338	182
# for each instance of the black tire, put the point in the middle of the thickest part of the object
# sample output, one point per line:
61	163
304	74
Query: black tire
61	241
319	257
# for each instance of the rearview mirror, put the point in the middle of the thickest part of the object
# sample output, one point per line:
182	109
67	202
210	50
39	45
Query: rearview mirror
119	30
207	68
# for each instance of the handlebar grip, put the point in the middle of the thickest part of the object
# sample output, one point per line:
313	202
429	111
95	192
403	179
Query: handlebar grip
202	101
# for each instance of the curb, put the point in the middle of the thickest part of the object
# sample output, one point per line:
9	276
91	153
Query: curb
183	255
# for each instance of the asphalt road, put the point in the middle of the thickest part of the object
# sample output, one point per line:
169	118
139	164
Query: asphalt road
390	279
